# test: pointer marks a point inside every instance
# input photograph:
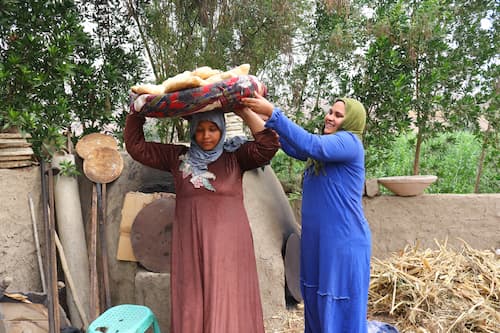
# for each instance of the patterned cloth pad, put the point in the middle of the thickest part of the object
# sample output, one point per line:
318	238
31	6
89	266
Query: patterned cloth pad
225	94
380	327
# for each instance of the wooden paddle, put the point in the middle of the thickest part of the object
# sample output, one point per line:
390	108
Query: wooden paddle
102	164
50	245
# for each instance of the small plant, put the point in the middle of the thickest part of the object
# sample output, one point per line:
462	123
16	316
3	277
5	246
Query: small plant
11	118
68	169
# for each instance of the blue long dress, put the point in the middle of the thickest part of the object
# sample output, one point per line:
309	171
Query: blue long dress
336	237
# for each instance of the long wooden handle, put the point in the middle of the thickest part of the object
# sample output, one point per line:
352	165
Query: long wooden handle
103	258
52	254
94	278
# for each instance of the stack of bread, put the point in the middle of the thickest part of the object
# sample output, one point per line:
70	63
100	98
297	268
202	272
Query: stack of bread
199	77
200	90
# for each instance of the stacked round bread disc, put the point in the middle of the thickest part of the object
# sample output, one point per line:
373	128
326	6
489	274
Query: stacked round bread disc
102	162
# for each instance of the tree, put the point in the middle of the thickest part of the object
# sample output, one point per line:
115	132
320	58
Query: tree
319	68
182	35
478	85
424	66
115	58
424	61
50	75
36	52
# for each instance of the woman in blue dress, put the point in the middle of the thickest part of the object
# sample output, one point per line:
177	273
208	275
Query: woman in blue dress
336	237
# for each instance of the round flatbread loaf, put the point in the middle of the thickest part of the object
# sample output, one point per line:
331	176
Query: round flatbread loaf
155	89
205	72
201	76
103	165
92	141
182	81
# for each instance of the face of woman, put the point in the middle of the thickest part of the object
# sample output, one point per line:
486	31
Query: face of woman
207	135
334	118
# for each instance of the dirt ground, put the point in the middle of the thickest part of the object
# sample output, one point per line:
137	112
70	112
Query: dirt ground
291	321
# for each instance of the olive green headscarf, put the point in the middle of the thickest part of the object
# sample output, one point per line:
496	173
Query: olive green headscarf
354	122
355	116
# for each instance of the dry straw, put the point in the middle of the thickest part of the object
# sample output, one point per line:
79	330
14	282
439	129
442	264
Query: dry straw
427	291
438	291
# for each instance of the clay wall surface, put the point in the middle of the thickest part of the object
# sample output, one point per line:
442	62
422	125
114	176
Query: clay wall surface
398	221
18	256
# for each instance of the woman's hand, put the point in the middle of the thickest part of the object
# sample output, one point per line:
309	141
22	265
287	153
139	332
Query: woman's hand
253	120
246	112
259	105
242	112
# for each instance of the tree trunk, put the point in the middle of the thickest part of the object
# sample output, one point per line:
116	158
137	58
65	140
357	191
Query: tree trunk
480	164
416	161
133	13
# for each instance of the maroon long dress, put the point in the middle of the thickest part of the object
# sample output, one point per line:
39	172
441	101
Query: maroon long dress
214	282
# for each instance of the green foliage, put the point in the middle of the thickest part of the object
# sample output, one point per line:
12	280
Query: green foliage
15	119
289	171
427	65
68	169
412	64
183	35
108	67
450	156
423	64
320	63
35	55
53	74
431	59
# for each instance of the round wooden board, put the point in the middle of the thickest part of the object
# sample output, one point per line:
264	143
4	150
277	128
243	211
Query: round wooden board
103	165
92	141
292	266
151	235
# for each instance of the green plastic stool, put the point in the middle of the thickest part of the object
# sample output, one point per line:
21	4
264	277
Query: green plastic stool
125	318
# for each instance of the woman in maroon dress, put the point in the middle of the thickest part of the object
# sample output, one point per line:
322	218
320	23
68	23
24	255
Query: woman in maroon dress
214	282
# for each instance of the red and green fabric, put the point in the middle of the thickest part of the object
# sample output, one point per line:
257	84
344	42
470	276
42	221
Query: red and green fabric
225	95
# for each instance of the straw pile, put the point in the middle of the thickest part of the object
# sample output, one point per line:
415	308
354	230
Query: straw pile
437	290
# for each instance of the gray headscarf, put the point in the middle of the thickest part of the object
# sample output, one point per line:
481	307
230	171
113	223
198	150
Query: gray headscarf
196	160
